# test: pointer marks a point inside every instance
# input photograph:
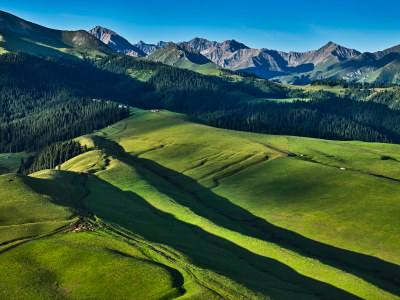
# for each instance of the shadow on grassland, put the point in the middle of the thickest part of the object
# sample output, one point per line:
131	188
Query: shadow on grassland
204	251
214	207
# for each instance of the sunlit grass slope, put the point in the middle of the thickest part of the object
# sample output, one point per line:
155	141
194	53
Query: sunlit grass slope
180	209
31	207
19	35
258	188
83	266
40	258
184	57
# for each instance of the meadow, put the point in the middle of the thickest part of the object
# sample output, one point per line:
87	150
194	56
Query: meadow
174	208
10	162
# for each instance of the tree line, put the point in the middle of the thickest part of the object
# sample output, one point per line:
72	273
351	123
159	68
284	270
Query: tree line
334	118
51	157
350	84
45	100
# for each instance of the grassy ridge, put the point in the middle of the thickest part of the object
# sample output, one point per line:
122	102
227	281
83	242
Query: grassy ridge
223	214
170	143
80	265
31	207
83	266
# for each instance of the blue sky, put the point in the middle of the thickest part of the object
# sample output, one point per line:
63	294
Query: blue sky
283	25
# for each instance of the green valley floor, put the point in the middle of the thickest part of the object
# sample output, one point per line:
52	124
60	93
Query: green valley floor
161	208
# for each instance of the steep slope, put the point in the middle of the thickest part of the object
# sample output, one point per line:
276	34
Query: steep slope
17	34
182	56
394	49
326	55
331	61
270	63
381	66
201	44
116	42
219	53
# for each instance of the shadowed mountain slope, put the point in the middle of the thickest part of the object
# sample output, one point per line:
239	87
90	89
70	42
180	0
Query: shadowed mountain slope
17	34
116	42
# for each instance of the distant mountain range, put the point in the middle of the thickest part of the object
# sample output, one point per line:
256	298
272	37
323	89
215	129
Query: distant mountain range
183	56
331	61
116	42
120	44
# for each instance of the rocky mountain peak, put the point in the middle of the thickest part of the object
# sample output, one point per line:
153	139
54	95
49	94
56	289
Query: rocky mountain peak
330	44
232	45
100	29
103	34
116	42
200	44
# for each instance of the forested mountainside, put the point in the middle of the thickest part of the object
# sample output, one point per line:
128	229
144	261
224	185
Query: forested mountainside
62	92
43	100
326	115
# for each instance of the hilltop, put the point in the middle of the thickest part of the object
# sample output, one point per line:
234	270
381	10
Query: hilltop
17	34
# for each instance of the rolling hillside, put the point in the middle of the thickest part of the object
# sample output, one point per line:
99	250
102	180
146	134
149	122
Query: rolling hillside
153	203
201	212
17	34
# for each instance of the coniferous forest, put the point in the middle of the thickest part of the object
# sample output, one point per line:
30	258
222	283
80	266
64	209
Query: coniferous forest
51	156
57	100
44	101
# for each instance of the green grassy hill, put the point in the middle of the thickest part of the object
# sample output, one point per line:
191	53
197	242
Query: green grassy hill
194	211
19	35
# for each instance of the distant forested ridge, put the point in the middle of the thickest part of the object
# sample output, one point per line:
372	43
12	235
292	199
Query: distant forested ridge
333	118
45	100
359	114
347	84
